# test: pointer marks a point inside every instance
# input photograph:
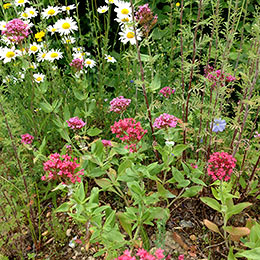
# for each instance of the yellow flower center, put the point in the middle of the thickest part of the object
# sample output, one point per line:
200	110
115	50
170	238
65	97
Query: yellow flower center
54	55
39	78
109	58
68	41
51	12
6	6
20	1
88	62
103	10
31	12
43	55
4	25
34	48
25	15
130	35
66	26
178	4
53	29
125	11
124	20
68	8
10	54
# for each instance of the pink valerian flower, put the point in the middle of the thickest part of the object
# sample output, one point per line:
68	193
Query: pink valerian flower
119	104
144	16
221	165
257	135
167	91
194	166
75	123
181	257
216	76
77	64
129	131
142	254
106	143
165	121
16	30
62	167
27	138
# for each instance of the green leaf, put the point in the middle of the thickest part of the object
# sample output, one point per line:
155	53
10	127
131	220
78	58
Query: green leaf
156	83
164	192
123	166
231	254
94	131
145	238
238	231
250	254
198	181
63	207
46	107
179	148
103	183
237	209
211	203
80	193
125	223
192	191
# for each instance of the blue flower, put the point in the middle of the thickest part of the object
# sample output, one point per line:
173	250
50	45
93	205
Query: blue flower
131	81
219	125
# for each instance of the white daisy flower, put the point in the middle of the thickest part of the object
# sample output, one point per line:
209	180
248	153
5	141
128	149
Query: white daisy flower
38	78
111	1
102	9
66	26
68	40
21	75
68	8
78	49
33	66
110	58
51	29
32	12
30	25
34	48
20	2
78	55
123	20
2	25
123	9
53	55
24	15
41	56
89	63
7	54
5	40
50	11
128	35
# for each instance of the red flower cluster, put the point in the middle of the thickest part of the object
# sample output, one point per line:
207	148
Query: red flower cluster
143	255
216	76
167	91
27	139
129	131
62	167
165	121
146	19
75	123
16	30
221	166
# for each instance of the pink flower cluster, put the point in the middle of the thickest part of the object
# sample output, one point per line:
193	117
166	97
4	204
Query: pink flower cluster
77	64
221	166
106	143
257	135
165	121
167	91
27	139
129	131
75	123
16	30
119	104
144	16
142	254
215	76
62	167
